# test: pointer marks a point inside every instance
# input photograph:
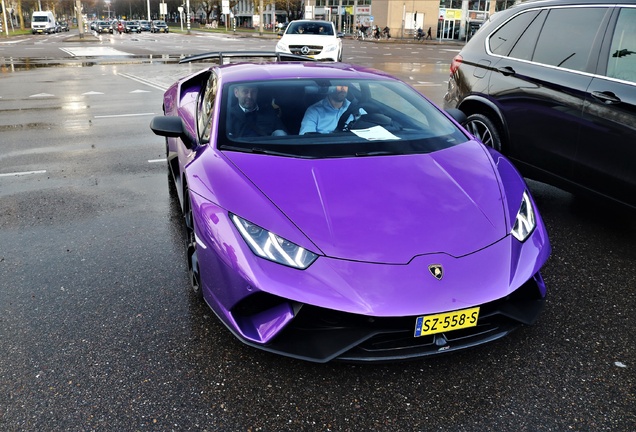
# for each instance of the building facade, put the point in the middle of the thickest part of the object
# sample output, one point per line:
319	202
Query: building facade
446	19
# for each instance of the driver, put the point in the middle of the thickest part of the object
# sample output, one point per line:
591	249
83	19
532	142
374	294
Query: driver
323	116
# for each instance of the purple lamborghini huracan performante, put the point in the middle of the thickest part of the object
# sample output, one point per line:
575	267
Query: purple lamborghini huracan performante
369	227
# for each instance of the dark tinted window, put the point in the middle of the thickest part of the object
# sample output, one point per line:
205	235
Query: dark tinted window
503	40
622	60
524	48
567	37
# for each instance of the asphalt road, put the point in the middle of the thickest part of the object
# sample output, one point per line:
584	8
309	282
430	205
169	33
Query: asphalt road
99	331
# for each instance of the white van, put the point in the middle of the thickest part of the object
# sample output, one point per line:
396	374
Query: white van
43	22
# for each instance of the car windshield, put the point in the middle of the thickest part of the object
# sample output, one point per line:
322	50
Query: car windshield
313	28
297	118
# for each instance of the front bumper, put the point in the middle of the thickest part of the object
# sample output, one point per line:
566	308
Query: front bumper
321	335
315	52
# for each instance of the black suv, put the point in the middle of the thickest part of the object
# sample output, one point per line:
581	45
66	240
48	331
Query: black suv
552	84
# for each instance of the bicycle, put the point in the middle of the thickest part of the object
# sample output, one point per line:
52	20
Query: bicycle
360	34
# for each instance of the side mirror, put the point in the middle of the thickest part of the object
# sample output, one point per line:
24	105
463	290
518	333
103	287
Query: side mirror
172	127
457	115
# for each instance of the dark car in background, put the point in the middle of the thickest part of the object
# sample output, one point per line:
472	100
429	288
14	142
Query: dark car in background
159	26
144	25
103	27
132	27
552	85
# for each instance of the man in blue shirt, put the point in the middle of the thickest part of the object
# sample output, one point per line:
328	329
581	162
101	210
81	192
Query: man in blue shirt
323	116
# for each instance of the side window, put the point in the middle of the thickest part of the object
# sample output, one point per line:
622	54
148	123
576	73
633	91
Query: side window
622	61
205	108
567	37
524	48
503	40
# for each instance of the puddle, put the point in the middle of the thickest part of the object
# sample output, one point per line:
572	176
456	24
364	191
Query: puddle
9	64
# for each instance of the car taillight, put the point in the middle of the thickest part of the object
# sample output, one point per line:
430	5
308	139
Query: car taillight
455	64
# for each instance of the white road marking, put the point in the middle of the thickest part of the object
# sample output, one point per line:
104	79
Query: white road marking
124	115
22	173
13	41
41	95
94	51
152	84
156	160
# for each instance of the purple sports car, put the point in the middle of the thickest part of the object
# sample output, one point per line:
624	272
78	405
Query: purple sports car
334	213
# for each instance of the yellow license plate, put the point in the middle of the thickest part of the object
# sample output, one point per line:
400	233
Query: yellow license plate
431	324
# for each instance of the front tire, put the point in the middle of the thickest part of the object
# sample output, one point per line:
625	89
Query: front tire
484	129
191	248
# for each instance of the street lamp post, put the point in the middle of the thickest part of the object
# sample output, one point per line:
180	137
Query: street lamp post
188	15
4	18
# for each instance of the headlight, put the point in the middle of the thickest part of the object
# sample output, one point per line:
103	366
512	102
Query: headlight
272	247
525	220
281	46
330	48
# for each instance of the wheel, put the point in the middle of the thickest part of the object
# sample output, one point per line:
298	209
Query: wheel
485	130
191	248
168	169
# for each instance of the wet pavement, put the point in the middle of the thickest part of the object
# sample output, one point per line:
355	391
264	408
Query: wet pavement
99	330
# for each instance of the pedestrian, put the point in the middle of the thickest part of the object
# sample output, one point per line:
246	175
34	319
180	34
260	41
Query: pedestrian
428	34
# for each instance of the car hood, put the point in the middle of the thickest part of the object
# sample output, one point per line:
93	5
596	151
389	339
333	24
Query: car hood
386	209
309	40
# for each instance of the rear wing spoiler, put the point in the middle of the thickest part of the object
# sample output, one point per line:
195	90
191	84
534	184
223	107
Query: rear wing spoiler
225	57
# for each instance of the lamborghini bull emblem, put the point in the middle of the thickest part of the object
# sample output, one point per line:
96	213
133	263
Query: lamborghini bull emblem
437	271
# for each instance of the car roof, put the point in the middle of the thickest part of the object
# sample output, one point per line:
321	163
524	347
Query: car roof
311	21
240	72
543	3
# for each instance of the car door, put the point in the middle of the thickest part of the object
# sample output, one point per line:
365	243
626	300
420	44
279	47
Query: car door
541	85
606	159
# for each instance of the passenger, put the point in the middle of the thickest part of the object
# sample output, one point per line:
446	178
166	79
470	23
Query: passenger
324	115
246	118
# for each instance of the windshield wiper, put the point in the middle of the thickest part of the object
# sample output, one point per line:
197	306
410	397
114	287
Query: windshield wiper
273	152
378	153
259	150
